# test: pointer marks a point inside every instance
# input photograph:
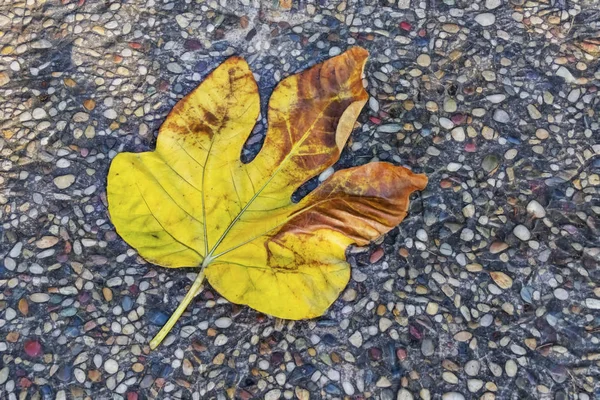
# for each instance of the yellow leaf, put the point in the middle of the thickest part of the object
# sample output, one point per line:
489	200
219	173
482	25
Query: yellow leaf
193	203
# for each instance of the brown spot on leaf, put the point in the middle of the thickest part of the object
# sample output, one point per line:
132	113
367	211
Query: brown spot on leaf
211	118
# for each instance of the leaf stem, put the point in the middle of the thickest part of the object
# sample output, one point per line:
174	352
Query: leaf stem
193	292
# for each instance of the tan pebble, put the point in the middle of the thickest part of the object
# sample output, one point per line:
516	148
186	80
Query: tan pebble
301	393
498	247
46	242
450	28
137	367
421	289
487	133
4	78
432	106
64	181
510	154
89	104
107	293
89	132
349	295
123	71
450	377
211	332
450	365
463	336
94	375
531	343
24	306
432	308
424	60
508	308
501	279
69	82
474	267
219	358
543	389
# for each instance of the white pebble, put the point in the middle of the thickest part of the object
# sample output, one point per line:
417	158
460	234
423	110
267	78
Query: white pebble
501	116
110	114
111	366
453	396
326	174
536	209
404	394
39	297
594	304
39	113
485	19
356	339
522	232
458	134
511	368
64	181
472	367
561	294
223	322
274	394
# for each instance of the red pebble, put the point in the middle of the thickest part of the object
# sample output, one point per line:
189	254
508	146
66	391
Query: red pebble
405	25
375	120
132	396
445	184
376	255
470	148
24	383
415	332
459	119
32	348
401	354
163	86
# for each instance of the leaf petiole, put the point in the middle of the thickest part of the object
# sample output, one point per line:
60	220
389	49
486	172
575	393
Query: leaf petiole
189	296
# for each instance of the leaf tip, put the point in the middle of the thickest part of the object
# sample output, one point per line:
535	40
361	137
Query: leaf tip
419	181
359	53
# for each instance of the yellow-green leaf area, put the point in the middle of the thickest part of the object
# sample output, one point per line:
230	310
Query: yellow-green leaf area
193	203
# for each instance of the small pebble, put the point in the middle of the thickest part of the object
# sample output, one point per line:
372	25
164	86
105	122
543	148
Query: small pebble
522	232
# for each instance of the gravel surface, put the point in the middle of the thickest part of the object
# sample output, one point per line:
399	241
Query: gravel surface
489	289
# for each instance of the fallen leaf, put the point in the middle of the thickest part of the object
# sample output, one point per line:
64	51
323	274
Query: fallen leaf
193	203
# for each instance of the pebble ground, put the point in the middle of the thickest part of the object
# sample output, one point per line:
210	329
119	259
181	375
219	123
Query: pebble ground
490	289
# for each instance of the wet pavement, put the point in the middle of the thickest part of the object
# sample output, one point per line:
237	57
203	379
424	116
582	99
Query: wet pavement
490	289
